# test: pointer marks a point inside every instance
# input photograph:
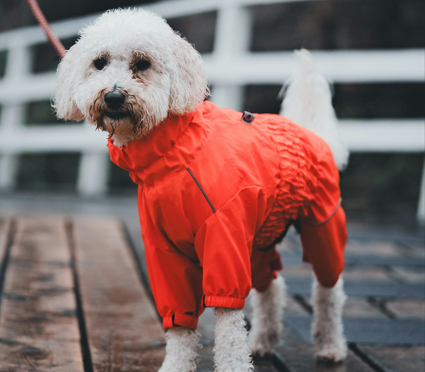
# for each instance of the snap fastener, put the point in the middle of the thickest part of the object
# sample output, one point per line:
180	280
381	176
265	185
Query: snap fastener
247	117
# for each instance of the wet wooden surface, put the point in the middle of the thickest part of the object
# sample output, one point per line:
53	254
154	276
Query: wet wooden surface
4	232
38	326
123	330
384	278
385	283
72	300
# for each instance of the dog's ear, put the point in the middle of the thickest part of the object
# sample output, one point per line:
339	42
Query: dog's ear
63	101
188	81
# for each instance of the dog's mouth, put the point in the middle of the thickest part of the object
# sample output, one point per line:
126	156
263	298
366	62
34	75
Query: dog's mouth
116	115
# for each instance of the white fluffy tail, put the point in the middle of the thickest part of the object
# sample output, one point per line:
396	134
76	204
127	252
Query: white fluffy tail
308	102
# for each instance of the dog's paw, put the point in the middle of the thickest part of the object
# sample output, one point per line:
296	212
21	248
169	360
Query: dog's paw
261	352
256	356
177	367
332	355
264	344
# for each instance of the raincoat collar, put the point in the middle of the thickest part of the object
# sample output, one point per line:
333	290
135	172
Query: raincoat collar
168	148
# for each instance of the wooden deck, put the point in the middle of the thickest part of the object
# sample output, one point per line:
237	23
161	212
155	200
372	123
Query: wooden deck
74	298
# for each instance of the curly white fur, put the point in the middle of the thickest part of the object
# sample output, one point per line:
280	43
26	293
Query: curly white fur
308	102
267	322
231	349
327	329
175	83
181	349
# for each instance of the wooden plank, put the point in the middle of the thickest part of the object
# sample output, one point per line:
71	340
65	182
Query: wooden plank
398	359
407	309
371	330
363	288
38	327
298	356
124	333
4	235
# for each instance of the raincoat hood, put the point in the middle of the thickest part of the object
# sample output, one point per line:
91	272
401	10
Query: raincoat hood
167	149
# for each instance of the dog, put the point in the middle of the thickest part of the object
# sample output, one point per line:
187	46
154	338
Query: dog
218	189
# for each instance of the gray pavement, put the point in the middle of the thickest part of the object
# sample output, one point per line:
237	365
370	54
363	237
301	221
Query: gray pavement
384	279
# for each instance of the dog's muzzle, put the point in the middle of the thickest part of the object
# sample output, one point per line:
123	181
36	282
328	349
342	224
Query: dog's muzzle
114	100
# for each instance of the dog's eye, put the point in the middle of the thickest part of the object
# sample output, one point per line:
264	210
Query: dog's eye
100	63
143	65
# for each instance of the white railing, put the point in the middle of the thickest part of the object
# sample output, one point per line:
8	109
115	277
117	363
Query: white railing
229	67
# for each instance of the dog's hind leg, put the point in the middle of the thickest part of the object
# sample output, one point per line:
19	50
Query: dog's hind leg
231	349
181	349
267	317
327	330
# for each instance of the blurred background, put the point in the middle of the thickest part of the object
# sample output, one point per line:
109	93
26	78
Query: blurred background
371	50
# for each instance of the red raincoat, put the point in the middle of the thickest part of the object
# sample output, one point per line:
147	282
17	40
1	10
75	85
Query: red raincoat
215	195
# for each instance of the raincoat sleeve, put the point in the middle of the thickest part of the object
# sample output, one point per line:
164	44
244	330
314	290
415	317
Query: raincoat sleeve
224	245
176	280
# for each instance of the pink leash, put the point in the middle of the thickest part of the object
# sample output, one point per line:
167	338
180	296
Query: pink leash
46	27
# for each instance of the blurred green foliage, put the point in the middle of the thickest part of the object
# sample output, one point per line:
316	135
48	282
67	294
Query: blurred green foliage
384	186
379	100
3	57
42	113
45	57
119	181
348	24
48	172
199	29
262	98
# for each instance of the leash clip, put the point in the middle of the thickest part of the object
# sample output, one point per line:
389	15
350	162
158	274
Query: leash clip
247	117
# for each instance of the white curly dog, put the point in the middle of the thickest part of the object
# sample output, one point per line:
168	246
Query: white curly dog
133	59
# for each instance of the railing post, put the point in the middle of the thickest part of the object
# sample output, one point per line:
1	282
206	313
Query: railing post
11	119
8	169
92	174
421	206
17	68
232	37
228	96
18	60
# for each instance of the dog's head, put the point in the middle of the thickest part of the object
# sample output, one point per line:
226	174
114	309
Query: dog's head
127	72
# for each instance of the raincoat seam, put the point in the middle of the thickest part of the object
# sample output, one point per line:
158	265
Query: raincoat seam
230	200
325	220
202	190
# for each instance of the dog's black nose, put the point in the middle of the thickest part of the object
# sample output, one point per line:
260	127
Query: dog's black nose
114	100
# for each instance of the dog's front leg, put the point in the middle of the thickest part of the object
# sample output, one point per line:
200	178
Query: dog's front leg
231	349
267	317
327	330
181	349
